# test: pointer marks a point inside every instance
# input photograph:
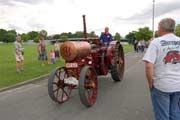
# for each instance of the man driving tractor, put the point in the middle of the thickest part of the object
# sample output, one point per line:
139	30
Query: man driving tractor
106	37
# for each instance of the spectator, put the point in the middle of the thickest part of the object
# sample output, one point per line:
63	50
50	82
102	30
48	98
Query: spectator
139	46
52	56
57	50
163	74
135	45
42	49
142	45
106	37
19	55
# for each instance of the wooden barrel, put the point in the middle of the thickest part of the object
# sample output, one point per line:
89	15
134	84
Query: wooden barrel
73	49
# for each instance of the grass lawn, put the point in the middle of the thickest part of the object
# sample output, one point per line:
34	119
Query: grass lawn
32	67
128	48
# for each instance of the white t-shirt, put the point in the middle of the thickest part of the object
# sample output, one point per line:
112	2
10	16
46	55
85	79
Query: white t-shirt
164	53
57	47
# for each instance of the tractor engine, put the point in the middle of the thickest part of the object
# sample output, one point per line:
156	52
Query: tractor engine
71	50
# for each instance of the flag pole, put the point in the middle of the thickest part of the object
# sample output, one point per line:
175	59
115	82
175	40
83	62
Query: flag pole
153	19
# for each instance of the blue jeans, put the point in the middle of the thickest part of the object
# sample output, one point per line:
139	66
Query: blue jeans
43	56
166	105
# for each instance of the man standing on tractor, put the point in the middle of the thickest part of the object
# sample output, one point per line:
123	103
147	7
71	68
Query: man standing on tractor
106	37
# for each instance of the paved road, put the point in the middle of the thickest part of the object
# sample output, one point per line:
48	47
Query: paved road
126	100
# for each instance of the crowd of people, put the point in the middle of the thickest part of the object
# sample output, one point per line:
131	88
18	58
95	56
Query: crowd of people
42	51
54	53
139	46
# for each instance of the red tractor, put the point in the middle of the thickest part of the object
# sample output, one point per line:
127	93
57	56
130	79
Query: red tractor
85	59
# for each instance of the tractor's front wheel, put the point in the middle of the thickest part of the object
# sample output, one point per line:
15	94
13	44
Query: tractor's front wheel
58	90
88	86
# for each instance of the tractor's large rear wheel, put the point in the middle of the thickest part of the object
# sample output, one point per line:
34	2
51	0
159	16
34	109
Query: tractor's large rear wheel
57	89
117	70
88	86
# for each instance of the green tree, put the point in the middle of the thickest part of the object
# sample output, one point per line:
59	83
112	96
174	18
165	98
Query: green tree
43	33
177	31
138	36
144	34
32	35
12	31
64	38
25	37
70	35
50	37
64	34
131	35
56	36
79	34
3	35
92	34
117	36
36	40
10	37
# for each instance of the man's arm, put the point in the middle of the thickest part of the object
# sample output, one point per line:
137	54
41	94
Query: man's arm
39	49
149	73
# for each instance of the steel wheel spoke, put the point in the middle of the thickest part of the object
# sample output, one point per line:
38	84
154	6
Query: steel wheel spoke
57	93
56	86
65	92
57	75
62	96
55	83
56	89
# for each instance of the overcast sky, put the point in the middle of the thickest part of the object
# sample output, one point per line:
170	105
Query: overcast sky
57	16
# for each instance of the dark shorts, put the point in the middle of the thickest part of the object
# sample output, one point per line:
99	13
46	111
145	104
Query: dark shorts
57	54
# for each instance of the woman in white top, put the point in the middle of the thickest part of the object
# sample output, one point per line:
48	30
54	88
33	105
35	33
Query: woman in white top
19	54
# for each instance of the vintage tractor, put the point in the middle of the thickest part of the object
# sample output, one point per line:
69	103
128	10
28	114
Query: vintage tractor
85	59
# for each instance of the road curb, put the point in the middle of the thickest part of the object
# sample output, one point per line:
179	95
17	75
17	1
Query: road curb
25	83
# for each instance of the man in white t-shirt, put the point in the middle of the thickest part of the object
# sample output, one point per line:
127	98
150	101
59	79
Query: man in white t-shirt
162	67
